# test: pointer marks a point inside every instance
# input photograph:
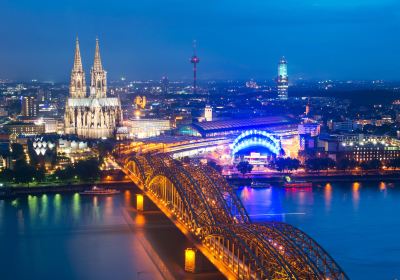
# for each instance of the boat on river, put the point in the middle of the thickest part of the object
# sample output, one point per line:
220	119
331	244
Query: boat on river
100	191
259	185
290	183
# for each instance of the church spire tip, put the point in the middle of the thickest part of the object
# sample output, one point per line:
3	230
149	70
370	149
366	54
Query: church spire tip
77	59
97	60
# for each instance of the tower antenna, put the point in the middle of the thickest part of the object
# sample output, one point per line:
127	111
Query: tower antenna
194	60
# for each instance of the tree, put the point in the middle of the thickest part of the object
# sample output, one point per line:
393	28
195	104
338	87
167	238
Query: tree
317	164
375	164
65	174
104	148
370	165
6	175
280	164
214	165
88	170
17	151
290	164
293	164
313	164
23	173
395	163
343	164
40	174
244	167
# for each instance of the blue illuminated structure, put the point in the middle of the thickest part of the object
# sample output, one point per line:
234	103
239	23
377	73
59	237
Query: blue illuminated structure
252	138
282	79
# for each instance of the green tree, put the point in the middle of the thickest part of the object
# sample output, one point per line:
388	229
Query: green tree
6	175
88	170
105	148
23	173
40	174
65	174
244	167
17	151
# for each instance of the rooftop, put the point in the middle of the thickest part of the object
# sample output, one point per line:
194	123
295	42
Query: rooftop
243	123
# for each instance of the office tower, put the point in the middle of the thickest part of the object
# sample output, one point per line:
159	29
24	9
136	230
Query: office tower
29	106
164	85
282	81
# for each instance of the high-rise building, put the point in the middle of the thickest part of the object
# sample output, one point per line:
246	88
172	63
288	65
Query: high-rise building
29	106
282	80
96	115
208	113
164	85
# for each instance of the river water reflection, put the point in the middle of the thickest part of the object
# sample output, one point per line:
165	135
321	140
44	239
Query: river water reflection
357	223
70	236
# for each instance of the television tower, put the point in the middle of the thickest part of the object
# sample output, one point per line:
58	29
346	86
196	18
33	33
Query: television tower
194	60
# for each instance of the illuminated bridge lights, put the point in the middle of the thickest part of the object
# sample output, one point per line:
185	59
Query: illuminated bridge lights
200	198
252	138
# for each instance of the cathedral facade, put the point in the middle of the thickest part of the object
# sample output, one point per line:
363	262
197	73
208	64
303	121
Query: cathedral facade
92	115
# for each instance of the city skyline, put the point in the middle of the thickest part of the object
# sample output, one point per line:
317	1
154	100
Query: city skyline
329	40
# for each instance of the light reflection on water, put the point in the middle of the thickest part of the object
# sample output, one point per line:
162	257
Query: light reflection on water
357	223
69	236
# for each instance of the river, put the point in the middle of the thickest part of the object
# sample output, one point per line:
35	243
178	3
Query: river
357	223
71	236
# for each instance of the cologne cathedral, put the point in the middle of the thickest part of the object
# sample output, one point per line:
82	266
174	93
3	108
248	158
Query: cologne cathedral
92	115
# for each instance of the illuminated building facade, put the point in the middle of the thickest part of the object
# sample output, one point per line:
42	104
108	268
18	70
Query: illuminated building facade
140	102
29	106
96	115
208	114
279	125
145	128
360	148
282	80
28	129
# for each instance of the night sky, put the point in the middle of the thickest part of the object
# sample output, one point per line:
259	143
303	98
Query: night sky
237	39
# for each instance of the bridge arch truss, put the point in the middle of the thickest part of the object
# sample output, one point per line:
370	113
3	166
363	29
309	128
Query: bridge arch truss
201	203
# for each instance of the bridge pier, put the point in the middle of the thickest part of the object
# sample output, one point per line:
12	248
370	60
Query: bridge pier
144	204
196	262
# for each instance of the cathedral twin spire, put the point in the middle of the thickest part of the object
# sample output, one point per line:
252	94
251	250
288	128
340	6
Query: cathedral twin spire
78	59
98	81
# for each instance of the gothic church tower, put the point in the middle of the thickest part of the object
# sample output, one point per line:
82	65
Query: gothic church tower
98	81
77	88
94	116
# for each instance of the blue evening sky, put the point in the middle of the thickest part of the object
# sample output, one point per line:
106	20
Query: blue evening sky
237	39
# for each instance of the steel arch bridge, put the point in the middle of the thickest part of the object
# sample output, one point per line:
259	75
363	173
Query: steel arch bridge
205	208
255	137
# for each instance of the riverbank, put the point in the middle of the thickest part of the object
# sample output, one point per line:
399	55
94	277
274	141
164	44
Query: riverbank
314	178
6	192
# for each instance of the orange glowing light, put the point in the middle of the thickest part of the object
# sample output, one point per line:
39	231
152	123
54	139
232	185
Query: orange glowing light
139	202
140	220
190	260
